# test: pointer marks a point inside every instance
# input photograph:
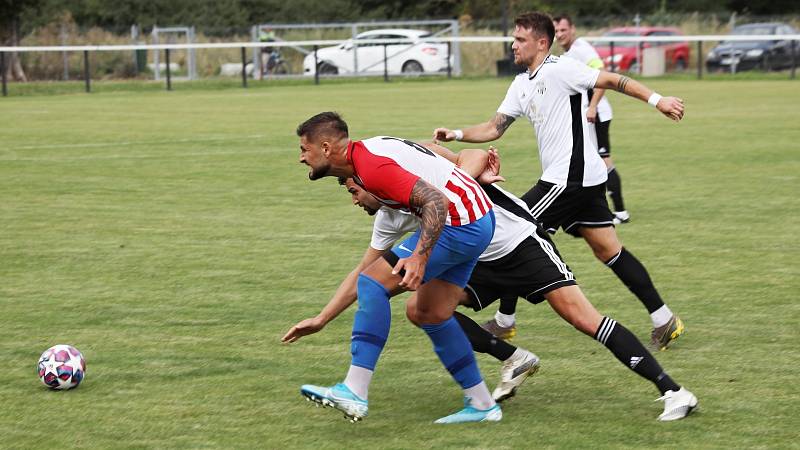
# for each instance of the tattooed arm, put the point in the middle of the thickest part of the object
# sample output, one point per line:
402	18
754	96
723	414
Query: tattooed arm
671	107
484	132
432	206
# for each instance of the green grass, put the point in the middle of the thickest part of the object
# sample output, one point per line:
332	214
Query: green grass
173	238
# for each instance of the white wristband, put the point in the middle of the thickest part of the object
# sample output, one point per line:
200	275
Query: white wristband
459	134
654	99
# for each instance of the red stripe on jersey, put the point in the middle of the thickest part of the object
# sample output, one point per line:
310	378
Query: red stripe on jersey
382	177
462	194
455	218
474	189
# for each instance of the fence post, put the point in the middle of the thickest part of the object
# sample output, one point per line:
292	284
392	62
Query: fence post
244	67
385	65
169	74
794	59
699	59
449	54
86	70
316	65
611	48
3	71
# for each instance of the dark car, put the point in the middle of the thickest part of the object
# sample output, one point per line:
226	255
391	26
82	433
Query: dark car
625	53
748	55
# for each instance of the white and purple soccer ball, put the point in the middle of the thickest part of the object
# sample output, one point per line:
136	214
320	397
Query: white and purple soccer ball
62	367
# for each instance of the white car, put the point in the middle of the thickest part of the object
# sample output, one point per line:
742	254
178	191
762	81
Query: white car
353	57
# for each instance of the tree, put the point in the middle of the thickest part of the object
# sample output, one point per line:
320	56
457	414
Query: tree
11	13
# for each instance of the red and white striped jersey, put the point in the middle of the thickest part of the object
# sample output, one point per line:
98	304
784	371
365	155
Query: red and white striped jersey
388	167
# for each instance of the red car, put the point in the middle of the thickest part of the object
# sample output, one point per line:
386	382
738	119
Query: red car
625	58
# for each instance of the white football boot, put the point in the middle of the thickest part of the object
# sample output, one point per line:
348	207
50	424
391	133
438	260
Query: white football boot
514	372
677	404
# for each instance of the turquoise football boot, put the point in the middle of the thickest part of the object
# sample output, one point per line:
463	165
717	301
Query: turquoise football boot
337	396
472	414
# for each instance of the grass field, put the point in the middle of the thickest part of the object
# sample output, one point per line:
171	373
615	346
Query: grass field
173	238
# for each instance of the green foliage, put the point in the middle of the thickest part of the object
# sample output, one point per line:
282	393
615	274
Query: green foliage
173	238
218	16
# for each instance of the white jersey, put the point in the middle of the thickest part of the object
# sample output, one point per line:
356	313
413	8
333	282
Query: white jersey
585	53
389	167
554	99
510	229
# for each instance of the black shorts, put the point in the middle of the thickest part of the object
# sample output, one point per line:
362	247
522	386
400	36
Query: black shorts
603	142
569	207
531	270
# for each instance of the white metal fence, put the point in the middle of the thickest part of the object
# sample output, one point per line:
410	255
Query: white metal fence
453	43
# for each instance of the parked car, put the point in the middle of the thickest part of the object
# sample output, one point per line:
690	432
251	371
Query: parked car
625	57
416	58
748	55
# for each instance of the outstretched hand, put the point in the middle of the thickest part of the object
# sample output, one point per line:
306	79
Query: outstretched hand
303	328
671	107
443	134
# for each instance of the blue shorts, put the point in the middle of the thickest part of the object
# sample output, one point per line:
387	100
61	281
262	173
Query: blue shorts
455	253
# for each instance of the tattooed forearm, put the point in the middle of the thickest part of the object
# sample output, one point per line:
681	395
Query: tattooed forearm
431	205
622	83
502	122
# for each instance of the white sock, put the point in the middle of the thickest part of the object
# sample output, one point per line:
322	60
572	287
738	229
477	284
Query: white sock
504	320
357	380
661	316
481	398
518	353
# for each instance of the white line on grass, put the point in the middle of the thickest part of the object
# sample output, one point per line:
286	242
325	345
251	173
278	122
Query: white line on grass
12	156
130	143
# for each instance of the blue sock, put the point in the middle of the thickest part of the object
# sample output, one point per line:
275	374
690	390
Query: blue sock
455	352
371	324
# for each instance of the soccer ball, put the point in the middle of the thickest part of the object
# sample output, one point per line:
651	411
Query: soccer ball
61	367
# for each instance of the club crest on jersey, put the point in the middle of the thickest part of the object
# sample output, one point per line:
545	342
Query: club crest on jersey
541	87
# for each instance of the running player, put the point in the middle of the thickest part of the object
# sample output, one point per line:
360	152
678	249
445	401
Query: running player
456	223
571	193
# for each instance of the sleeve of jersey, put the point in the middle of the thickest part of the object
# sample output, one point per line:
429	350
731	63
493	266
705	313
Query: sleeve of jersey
384	178
576	76
511	106
384	233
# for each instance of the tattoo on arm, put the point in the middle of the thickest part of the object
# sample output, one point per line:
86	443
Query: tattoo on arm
432	205
502	122
622	83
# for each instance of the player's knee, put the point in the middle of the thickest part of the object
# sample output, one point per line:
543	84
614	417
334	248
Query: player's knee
428	316
604	251
411	311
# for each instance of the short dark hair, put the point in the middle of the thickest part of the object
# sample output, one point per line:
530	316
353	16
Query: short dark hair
561	17
328	124
341	180
539	23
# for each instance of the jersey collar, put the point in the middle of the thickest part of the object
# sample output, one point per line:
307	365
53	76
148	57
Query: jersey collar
532	75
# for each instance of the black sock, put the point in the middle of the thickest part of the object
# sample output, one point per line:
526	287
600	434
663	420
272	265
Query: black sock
636	278
630	351
508	305
482	341
614	188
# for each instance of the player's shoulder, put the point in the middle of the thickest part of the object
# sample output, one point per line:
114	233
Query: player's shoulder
378	145
582	43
